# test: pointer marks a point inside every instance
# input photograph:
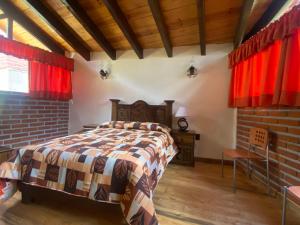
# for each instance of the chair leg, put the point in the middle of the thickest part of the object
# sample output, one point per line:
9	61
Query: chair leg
268	177
234	176
250	172
248	168
222	164
284	205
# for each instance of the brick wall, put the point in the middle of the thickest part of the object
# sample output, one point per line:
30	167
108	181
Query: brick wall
284	126
26	121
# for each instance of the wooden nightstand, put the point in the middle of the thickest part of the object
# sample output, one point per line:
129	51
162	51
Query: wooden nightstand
5	153
185	142
88	127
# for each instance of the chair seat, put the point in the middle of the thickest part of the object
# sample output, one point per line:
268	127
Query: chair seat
241	154
295	190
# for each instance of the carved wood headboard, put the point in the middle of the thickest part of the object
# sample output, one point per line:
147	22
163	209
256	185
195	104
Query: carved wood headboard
142	112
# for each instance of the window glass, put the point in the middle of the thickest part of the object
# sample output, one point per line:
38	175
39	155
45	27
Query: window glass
13	74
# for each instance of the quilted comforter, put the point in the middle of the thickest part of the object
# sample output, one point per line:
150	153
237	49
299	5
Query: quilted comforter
120	162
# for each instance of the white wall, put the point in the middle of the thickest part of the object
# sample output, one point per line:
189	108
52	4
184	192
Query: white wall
157	78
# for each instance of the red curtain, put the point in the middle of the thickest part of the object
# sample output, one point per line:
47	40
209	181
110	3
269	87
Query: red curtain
49	82
23	51
278	30
290	88
268	76
254	80
49	73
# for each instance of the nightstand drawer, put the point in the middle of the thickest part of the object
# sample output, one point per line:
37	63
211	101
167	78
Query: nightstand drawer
184	139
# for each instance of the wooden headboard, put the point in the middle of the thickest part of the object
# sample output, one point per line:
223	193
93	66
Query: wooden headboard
142	112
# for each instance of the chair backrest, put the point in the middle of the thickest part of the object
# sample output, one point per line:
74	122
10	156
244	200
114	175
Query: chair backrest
259	137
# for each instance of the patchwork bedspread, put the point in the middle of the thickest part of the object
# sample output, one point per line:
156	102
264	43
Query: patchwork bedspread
120	162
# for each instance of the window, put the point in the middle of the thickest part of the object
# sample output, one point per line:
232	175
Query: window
13	74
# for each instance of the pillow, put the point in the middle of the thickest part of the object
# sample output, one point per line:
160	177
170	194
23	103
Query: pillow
136	125
148	126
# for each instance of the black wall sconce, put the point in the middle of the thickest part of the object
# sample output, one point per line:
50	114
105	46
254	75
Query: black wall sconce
105	70
104	74
192	72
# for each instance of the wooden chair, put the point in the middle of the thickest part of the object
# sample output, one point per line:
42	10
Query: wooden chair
293	190
258	138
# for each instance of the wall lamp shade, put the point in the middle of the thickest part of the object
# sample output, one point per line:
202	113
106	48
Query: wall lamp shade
181	114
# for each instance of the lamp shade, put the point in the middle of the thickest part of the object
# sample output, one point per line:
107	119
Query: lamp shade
181	112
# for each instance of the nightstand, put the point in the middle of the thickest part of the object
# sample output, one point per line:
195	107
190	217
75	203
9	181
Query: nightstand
88	127
5	153
185	141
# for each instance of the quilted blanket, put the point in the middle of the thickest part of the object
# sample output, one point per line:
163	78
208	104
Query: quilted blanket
119	162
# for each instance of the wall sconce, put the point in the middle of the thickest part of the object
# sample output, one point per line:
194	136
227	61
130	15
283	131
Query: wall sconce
192	70
104	72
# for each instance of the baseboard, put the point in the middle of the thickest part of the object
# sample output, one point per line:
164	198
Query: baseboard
213	161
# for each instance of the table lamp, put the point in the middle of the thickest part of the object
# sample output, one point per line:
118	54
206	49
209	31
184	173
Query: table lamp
182	122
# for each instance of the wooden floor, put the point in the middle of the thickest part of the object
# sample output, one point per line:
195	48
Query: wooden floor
184	196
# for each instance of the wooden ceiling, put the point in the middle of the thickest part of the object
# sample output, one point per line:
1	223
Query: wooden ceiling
110	25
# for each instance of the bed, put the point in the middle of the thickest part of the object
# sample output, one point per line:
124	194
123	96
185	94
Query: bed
119	162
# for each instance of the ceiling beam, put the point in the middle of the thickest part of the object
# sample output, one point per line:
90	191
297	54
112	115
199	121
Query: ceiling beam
266	18
9	28
201	22
61	27
89	25
243	22
158	17
122	22
30	26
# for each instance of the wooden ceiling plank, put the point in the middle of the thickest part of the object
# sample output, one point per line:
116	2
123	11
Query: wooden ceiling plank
201	18
243	22
266	18
11	10
122	22
81	15
158	17
61	27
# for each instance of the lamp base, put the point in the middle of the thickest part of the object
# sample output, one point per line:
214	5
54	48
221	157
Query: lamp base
182	124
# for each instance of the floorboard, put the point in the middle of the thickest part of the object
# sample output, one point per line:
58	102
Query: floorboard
185	196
